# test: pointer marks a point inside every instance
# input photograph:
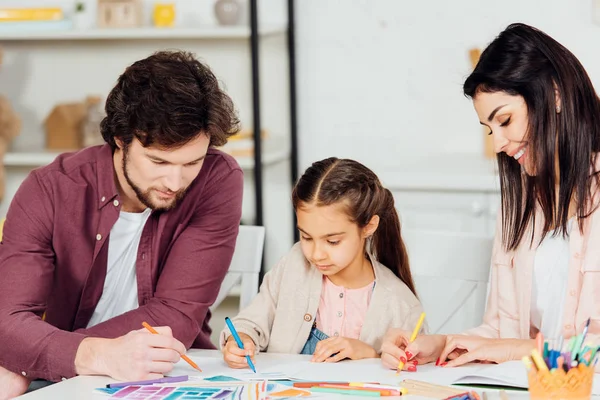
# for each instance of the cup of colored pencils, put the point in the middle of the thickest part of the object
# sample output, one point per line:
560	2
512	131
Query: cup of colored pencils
561	371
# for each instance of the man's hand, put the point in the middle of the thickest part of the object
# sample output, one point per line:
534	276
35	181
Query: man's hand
464	349
236	357
138	355
338	348
11	384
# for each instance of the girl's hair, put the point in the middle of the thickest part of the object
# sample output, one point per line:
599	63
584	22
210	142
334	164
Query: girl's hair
524	61
332	181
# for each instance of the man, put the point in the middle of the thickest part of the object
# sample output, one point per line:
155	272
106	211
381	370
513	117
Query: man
142	228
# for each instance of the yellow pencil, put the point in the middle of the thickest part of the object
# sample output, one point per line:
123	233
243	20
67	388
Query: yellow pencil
538	361
527	362
412	339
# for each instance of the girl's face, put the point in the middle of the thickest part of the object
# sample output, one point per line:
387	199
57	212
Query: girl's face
506	117
330	240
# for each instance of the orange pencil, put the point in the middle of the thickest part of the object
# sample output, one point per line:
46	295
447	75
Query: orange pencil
185	358
539	342
382	392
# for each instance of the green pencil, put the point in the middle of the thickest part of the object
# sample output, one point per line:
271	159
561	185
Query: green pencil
348	392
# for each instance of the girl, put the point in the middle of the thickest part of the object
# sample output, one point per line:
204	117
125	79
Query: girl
544	115
347	281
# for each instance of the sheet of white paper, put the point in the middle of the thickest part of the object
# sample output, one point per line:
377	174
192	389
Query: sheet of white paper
216	366
512	373
369	370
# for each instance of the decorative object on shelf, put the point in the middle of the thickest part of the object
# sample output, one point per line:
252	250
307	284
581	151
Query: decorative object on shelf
30	14
10	126
14	20
64	125
164	15
90	126
228	12
488	141
80	16
119	13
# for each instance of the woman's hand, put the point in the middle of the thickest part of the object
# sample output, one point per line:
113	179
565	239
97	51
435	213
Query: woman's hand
396	348
461	350
236	357
338	348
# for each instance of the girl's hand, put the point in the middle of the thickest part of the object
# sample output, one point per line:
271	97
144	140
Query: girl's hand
236	357
396	348
337	348
464	349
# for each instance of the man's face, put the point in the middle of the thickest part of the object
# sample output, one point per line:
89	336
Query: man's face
160	177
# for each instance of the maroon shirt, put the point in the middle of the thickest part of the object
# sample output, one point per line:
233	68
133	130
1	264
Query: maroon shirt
54	253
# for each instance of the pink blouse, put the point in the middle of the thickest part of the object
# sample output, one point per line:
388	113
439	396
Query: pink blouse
342	311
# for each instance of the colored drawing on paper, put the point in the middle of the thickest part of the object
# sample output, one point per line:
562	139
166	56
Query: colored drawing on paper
169	393
221	378
108	390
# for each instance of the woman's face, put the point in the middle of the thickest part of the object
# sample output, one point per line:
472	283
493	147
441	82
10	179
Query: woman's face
506	117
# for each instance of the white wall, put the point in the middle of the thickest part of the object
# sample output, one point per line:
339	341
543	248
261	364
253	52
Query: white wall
381	80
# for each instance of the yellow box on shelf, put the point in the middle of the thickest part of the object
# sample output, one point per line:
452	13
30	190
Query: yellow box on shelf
30	14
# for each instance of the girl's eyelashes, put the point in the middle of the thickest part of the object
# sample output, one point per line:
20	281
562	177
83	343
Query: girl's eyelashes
305	238
333	243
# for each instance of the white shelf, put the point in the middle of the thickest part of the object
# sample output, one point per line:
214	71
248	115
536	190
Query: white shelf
207	32
272	154
30	159
273	151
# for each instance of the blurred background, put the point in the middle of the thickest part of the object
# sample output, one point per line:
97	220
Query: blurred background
379	81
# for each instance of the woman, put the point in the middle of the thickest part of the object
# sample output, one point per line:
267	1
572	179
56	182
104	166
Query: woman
544	115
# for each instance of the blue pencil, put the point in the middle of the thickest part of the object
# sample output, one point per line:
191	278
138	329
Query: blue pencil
238	341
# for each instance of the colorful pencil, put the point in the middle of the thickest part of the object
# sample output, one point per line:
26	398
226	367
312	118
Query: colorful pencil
166	379
239	342
183	356
350	392
412	339
382	392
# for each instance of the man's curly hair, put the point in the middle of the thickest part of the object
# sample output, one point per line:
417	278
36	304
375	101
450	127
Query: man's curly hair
167	100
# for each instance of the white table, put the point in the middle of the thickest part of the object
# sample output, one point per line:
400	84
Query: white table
82	387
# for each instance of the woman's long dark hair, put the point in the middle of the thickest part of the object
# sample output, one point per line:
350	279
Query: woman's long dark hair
524	61
333	180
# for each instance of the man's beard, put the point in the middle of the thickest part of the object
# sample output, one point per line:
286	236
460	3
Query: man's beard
145	197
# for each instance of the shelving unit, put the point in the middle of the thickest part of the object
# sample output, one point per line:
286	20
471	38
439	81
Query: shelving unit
209	32
271	158
275	150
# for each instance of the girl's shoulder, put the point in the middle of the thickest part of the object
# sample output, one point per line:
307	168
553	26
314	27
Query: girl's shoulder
394	288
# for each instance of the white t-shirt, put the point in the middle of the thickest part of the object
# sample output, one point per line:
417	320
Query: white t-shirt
550	275
120	292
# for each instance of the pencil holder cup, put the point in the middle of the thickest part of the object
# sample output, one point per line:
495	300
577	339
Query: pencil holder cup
560	385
